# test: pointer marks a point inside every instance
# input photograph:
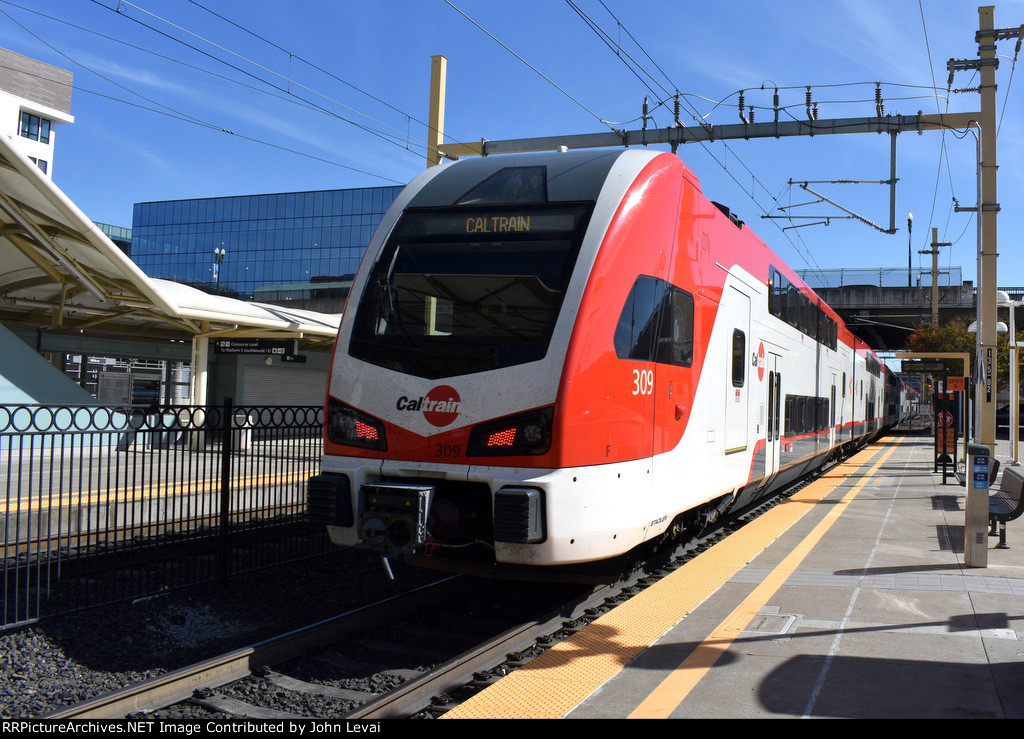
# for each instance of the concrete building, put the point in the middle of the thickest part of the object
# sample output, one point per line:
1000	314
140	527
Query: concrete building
34	99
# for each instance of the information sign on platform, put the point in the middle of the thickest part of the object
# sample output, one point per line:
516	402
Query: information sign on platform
280	347
918	366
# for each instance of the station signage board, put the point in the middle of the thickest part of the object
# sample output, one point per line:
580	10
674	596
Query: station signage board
278	347
918	366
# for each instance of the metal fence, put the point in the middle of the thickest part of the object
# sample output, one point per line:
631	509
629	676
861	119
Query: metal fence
879	276
104	504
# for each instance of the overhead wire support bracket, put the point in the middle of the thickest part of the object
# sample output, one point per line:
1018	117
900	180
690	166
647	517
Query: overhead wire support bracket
803	225
799	205
803	186
707	132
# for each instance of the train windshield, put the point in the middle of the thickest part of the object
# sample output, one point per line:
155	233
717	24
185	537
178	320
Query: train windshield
463	290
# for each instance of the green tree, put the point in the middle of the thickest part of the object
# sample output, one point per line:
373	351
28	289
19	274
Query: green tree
950	337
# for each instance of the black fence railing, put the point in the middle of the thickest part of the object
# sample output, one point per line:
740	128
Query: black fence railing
103	504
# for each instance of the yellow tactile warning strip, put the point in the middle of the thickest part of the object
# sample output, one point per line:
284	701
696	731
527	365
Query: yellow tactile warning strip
674	689
554	683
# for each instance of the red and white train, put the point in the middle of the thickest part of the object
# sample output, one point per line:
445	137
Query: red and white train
551	359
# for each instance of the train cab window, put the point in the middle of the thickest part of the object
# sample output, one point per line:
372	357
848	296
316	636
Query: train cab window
656	324
675	337
634	333
468	289
739	358
510	185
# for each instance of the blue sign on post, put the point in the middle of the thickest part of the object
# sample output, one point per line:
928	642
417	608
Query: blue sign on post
980	473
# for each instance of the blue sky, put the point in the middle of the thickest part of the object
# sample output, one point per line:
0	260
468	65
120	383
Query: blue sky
159	84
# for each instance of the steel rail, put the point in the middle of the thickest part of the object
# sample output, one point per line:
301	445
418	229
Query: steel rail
414	696
177	685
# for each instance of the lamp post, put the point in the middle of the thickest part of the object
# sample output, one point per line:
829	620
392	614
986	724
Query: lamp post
910	226
1002	299
218	258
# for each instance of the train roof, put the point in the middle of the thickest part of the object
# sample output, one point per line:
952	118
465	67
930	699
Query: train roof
518	179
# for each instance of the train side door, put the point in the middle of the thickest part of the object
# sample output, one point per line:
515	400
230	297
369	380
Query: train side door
735	312
773	402
832	415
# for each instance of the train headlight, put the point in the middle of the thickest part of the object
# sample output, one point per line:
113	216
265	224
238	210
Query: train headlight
346	425
525	433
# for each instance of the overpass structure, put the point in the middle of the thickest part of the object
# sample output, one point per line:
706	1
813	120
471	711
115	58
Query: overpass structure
885	317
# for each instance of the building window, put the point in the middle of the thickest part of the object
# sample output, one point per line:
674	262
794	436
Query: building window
41	163
35	128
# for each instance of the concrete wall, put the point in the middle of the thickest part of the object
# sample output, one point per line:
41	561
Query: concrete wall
26	377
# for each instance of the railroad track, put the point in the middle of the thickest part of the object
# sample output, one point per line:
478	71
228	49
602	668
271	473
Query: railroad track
398	667
415	654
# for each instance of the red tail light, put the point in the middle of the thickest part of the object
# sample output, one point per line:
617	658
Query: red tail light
526	433
346	425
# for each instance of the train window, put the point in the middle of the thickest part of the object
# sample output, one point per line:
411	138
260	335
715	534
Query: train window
788	303
656	324
739	358
799	403
675	336
463	290
634	333
806	414
510	185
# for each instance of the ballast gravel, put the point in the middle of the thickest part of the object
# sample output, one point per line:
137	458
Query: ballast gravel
59	661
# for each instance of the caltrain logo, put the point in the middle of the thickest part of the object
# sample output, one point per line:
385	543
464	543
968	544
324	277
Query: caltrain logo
440	406
760	362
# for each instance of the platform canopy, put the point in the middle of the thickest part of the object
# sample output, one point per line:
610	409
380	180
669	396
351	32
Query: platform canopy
59	271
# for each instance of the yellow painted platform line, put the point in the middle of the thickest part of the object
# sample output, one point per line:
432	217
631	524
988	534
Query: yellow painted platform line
156	491
557	681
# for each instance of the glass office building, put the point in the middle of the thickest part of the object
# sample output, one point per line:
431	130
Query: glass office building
297	237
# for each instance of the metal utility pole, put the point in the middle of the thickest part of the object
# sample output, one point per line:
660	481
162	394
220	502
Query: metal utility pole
989	210
975	548
435	132
934	251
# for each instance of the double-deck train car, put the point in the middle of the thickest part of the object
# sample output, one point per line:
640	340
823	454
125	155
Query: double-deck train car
552	359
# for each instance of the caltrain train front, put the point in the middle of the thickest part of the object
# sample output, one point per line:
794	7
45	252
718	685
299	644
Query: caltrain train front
513	361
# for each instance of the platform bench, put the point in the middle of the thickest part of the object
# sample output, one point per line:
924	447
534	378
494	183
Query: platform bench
1005	503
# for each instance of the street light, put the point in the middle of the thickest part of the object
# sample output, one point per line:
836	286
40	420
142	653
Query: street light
910	226
1002	299
218	258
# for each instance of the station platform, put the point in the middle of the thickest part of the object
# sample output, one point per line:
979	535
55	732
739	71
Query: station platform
850	599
